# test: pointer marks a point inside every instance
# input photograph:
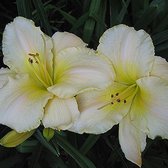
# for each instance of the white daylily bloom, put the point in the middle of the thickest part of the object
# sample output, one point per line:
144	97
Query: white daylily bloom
137	99
44	75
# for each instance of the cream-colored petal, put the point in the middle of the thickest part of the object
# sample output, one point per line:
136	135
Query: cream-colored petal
62	40
21	38
132	141
92	121
60	113
22	103
99	112
48	54
131	52
160	68
4	74
149	110
80	69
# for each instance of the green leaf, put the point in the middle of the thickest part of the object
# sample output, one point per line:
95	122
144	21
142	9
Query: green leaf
91	22
34	158
13	138
89	143
80	21
114	9
160	37
42	16
100	25
148	16
86	4
27	146
55	162
138	7
68	17
162	25
24	8
162	47
94	8
88	30
10	162
123	11
119	152
82	161
45	143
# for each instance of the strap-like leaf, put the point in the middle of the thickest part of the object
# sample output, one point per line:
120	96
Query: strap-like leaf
42	15
82	161
89	143
45	143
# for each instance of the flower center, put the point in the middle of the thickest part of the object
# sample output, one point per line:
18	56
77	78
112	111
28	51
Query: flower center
39	70
121	97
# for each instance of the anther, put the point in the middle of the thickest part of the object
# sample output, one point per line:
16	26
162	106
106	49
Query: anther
117	94
118	100
112	96
30	60
112	103
34	55
125	101
31	54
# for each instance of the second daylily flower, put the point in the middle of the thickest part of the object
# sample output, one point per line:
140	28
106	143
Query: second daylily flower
44	75
137	99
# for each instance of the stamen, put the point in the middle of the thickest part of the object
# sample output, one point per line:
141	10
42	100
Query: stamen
118	100
120	97
30	60
37	70
33	55
39	67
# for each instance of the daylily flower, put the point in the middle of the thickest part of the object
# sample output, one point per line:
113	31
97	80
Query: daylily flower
44	75
137	99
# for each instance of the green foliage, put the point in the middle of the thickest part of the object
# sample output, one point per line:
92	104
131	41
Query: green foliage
88	19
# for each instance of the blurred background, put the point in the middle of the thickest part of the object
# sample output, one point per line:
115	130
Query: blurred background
88	19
